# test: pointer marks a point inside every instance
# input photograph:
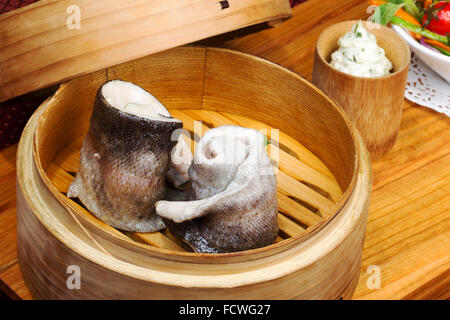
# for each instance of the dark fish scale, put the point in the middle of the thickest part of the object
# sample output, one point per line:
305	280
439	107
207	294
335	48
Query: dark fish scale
243	215
240	223
122	185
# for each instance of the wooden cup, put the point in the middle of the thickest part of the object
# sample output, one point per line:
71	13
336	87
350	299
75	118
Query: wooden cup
373	104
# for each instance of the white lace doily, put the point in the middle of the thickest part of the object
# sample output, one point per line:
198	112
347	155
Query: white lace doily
427	88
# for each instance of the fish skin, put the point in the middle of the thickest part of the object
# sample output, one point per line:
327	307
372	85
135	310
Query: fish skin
123	163
243	222
239	215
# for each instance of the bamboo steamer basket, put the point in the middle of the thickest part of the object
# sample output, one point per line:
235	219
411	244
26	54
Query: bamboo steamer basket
324	183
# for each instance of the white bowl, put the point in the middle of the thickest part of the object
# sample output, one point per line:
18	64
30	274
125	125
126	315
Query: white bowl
440	63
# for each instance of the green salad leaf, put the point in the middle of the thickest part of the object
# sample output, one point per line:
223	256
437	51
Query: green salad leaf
413	9
384	13
396	1
267	141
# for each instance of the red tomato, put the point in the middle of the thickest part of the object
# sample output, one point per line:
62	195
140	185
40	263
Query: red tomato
442	25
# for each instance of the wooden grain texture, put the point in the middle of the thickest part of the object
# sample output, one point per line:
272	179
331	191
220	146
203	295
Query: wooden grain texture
293	145
61	126
423	138
63	168
9	269
408	231
13	278
374	105
284	275
421	272
38	49
280	106
325	256
8	237
292	44
287	161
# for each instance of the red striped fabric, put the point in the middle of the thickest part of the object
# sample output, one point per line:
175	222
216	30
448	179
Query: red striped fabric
10	5
16	112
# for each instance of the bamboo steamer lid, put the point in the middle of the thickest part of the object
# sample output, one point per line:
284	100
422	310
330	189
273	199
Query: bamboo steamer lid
56	40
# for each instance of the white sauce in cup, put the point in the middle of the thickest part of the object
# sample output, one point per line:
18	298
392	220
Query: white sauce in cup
360	55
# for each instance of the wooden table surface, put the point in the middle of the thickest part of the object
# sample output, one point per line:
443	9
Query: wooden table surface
408	229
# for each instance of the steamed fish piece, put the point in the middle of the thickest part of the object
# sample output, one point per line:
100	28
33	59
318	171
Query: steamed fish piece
125	157
233	190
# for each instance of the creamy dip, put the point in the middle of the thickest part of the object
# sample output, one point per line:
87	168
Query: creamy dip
359	54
